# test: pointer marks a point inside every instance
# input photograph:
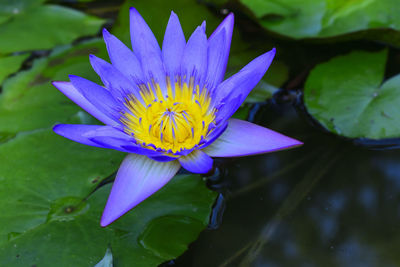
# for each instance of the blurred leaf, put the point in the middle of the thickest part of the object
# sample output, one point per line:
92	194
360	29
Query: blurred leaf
346	95
324	18
216	3
181	229
29	101
43	27
242	113
11	8
261	92
107	261
10	64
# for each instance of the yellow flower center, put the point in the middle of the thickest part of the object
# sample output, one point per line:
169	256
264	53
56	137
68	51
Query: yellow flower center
180	120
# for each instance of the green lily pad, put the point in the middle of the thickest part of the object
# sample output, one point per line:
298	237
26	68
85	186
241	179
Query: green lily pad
48	214
347	96
29	101
324	18
43	27
10	9
10	64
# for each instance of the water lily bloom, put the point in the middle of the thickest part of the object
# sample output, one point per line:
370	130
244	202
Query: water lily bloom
167	108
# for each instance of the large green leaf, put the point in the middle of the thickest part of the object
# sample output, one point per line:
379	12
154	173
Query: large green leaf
325	18
29	101
43	27
10	64
46	217
346	95
12	8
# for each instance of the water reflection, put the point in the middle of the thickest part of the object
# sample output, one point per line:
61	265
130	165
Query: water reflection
329	203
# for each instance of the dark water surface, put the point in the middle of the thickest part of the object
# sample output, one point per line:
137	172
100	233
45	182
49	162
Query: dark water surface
328	203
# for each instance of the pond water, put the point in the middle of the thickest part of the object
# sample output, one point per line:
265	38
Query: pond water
328	203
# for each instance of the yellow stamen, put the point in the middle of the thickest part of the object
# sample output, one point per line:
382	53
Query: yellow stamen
177	121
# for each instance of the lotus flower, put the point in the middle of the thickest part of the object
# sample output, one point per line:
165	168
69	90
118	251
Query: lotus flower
167	108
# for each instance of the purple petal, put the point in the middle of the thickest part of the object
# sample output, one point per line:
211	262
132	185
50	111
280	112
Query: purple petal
216	59
75	132
125	145
227	109
221	127
194	60
245	80
140	30
116	83
105	137
203	25
173	46
122	57
98	97
220	48
197	162
163	158
72	93
242	138
87	135
146	48
138	178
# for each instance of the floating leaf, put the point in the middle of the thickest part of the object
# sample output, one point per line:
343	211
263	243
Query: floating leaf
10	64
29	101
325	18
47	216
10	9
346	95
43	27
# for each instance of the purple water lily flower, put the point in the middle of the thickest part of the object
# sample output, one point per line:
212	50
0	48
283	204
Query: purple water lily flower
167	108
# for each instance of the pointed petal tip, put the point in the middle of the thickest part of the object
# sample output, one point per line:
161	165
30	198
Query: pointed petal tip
138	178
106	33
103	224
73	77
92	57
133	10
106	219
58	84
270	54
230	18
56	128
203	25
258	140
296	143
